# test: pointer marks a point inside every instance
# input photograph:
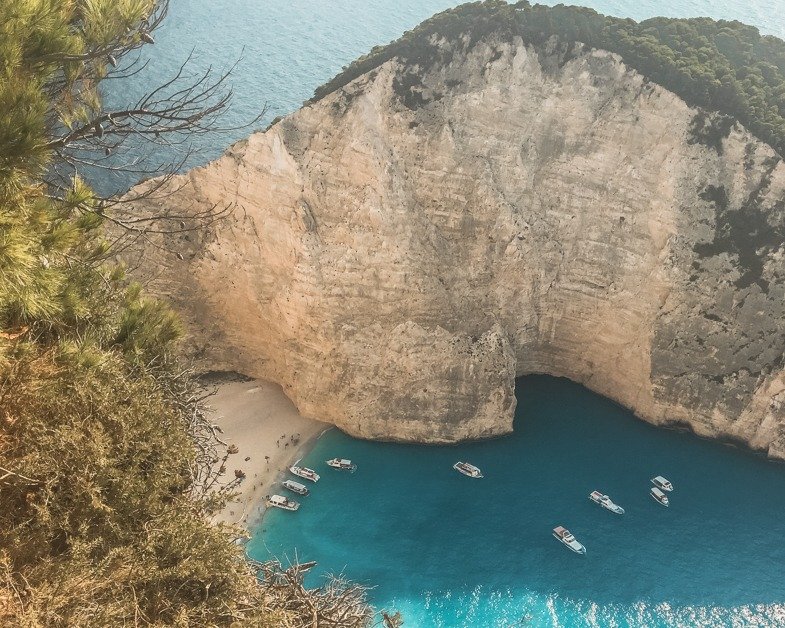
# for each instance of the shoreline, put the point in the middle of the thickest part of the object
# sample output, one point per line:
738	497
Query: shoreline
269	433
259	510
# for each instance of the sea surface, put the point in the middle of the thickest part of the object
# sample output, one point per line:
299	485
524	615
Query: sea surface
447	550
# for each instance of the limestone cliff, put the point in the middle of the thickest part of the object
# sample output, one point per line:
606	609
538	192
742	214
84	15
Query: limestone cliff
405	247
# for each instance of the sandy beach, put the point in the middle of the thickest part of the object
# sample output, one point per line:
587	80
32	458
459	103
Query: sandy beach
270	434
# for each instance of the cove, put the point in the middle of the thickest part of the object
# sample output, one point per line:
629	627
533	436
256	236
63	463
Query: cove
447	550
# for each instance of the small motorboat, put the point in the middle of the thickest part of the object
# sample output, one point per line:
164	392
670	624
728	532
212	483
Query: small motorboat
342	463
661	483
659	496
605	502
279	501
305	473
295	487
560	533
468	469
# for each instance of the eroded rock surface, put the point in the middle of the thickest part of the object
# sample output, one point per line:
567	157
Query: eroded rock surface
404	248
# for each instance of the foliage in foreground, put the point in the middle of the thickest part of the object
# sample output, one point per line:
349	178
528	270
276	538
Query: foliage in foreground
722	66
105	456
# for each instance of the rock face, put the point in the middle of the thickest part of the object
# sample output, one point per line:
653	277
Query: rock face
402	249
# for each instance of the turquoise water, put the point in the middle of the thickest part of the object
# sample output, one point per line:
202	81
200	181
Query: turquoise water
447	550
286	48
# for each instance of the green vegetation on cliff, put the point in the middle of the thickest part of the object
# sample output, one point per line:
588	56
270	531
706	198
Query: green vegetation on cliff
106	461
724	67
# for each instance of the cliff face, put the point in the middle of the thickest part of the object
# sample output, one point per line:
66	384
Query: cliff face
402	249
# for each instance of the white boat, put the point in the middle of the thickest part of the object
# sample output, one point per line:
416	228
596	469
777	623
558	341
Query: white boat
661	483
342	463
659	496
560	533
468	469
279	501
305	472
605	502
295	487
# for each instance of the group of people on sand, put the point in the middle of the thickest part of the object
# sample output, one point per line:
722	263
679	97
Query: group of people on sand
293	439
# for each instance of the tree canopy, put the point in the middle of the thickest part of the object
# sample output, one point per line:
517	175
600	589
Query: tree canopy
106	458
99	475
721	66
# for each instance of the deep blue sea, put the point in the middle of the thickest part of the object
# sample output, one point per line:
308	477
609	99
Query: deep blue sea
447	550
450	551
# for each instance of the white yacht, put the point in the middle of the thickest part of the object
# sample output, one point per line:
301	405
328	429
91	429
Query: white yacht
605	502
295	487
279	501
562	534
305	473
468	469
659	496
661	483
342	463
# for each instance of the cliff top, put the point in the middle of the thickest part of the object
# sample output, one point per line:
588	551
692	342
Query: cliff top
721	66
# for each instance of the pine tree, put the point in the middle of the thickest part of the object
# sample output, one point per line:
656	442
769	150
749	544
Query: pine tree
104	451
95	444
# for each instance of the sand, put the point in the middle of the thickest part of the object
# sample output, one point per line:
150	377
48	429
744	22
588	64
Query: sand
257	417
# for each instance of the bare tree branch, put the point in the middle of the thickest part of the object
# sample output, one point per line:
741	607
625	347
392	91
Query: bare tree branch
173	107
122	142
336	603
